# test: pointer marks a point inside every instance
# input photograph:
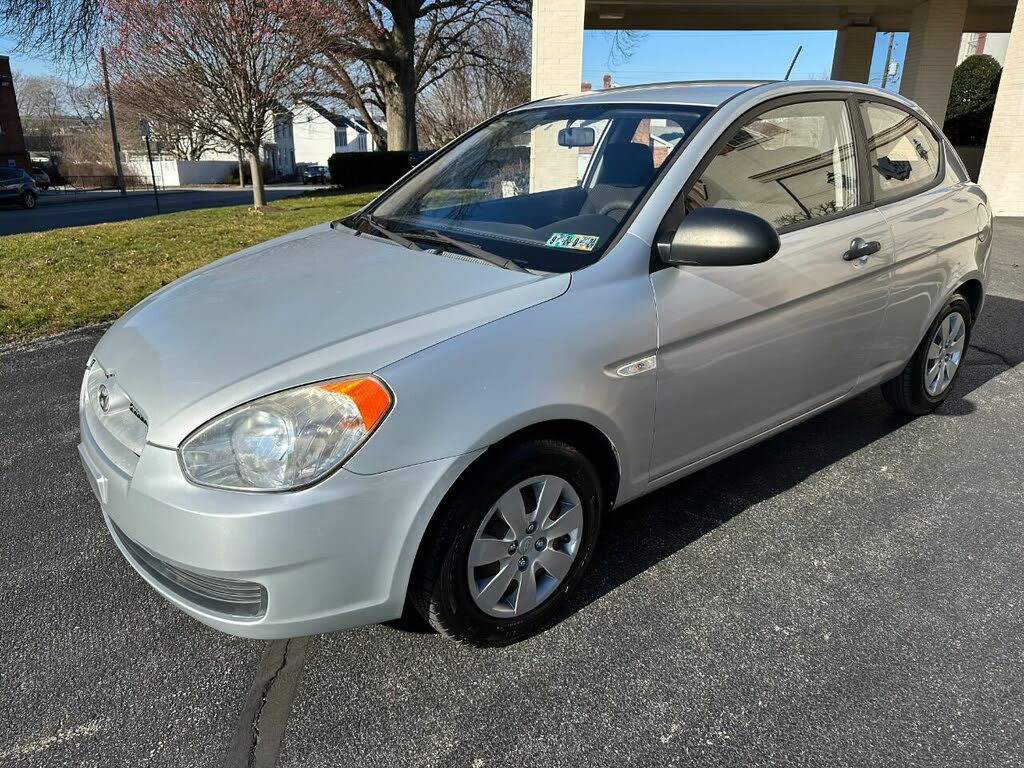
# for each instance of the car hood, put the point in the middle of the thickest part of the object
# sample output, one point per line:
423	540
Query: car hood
313	305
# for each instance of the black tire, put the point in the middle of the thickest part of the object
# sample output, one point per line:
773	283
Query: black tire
908	392
28	200
439	588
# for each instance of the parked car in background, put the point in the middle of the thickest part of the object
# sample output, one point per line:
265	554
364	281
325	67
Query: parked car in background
432	403
16	186
40	177
316	174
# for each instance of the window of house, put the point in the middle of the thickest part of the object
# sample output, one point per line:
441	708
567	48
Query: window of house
788	165
904	154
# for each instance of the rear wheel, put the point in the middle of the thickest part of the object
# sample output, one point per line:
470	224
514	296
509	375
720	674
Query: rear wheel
28	200
928	377
515	538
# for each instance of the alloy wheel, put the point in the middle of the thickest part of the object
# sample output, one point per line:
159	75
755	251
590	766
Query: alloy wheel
944	353
525	546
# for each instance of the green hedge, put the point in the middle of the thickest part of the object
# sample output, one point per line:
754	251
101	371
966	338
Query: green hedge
364	169
972	97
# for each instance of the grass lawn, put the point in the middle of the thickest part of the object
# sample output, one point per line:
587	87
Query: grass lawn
66	278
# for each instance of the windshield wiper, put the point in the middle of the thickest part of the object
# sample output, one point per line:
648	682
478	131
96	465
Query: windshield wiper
432	235
392	236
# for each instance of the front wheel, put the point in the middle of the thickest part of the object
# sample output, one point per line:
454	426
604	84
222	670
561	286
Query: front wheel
928	378
514	539
28	200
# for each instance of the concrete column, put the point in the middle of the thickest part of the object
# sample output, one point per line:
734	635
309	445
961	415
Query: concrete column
557	62
935	31
1002	169
557	68
852	58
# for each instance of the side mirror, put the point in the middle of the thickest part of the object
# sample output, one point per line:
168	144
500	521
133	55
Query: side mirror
721	237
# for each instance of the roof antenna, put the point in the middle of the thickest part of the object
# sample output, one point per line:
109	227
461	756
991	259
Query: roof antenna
793	62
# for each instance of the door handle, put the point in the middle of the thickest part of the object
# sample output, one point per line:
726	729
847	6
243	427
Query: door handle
861	249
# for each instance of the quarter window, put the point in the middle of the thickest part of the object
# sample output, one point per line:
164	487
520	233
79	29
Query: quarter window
904	154
789	165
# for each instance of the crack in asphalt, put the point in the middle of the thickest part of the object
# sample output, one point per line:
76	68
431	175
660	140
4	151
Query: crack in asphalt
263	703
994	353
261	723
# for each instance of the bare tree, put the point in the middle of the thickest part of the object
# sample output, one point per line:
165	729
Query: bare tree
177	126
469	94
392	50
226	64
64	28
56	112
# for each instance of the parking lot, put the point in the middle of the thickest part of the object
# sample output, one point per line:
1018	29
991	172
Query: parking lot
847	593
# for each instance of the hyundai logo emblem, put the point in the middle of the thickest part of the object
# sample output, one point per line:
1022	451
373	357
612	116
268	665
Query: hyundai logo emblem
104	398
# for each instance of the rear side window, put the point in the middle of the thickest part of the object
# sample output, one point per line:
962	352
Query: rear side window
904	155
7	174
789	165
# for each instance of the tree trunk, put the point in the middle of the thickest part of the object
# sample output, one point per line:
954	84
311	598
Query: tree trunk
400	86
400	110
259	200
241	170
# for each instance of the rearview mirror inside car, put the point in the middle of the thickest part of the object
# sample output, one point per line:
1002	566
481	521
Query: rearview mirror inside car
576	137
721	237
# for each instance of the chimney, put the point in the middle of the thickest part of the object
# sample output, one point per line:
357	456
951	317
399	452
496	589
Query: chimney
607	81
585	86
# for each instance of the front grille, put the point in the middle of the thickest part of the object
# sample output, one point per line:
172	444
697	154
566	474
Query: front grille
243	599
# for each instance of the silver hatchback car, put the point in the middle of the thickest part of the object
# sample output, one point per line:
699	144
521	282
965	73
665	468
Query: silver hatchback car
428	406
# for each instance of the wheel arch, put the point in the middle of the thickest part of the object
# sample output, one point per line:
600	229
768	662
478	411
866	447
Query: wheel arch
591	441
973	290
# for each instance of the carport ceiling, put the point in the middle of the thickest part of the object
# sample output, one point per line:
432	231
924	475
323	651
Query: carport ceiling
887	15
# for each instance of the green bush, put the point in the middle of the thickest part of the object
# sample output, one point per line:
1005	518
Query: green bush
972	97
365	169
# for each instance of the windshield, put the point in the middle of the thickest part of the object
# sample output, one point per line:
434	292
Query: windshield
546	188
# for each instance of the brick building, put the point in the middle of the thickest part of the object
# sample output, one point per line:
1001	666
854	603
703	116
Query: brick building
12	141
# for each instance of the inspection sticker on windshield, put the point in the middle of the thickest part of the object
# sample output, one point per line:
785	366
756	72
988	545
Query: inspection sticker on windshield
575	242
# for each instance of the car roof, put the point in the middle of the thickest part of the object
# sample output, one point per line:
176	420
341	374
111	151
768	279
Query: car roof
707	93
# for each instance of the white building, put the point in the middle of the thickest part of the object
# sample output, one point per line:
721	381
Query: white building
319	133
992	43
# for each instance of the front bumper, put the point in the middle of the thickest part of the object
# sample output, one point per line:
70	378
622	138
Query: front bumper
332	556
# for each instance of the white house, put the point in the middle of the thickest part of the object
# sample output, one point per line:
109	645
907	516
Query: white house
280	156
318	133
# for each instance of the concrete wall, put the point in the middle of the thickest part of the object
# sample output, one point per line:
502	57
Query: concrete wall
1002	170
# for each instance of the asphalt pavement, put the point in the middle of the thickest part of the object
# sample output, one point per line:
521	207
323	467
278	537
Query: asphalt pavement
847	593
55	211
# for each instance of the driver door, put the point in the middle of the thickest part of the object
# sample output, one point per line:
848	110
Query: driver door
746	349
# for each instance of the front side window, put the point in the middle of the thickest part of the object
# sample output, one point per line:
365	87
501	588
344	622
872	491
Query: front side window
789	165
547	188
904	154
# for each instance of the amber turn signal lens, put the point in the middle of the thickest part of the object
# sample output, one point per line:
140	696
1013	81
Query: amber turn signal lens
370	396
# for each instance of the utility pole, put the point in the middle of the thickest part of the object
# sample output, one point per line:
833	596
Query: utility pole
113	124
793	62
888	59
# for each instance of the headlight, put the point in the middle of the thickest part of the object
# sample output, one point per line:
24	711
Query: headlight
286	440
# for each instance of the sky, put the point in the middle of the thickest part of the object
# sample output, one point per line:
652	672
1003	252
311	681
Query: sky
660	56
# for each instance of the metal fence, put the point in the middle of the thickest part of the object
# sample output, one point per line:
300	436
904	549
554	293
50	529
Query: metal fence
74	183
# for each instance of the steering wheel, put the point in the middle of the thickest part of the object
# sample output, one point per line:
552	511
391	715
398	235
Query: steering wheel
607	208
